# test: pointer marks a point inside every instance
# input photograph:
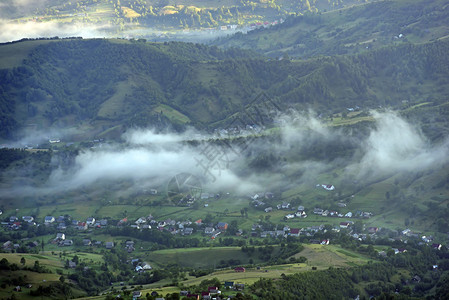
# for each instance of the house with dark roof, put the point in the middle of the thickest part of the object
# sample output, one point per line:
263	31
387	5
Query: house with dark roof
49	219
295	232
344	224
222	226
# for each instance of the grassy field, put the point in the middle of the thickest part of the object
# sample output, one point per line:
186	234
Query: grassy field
12	55
172	114
319	256
199	257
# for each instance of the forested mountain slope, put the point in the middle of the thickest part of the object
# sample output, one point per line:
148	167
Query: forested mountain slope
109	85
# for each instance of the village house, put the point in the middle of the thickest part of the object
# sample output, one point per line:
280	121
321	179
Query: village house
269	195
301	214
90	221
109	245
49	219
317	211
239	269
141	220
67	243
344	224
295	232
87	242
28	219
60	236
81	226
437	246
7	246
258	203
187	231
222	226
372	230
137	294
284	205
328	187
15	226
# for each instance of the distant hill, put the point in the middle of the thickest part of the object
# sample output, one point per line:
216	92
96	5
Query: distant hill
169	14
350	30
102	87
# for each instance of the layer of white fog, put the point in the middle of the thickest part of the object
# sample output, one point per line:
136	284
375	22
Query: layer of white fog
149	159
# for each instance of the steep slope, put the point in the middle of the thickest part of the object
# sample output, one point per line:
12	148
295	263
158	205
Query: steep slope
106	86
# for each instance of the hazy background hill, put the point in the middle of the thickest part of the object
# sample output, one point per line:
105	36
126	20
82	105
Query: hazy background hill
118	16
349	30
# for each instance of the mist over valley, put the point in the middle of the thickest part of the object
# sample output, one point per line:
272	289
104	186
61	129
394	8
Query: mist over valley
224	150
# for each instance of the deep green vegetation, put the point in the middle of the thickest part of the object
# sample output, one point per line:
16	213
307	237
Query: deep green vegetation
383	280
392	246
109	86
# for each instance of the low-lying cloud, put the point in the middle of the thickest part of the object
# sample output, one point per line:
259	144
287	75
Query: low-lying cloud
392	145
12	30
395	145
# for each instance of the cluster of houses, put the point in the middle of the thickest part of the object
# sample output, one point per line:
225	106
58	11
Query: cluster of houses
257	230
332	213
184	228
237	131
214	292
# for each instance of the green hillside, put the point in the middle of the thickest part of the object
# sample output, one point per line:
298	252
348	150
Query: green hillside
306	160
350	30
101	87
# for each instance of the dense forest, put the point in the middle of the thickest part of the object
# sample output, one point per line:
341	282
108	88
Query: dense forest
109	83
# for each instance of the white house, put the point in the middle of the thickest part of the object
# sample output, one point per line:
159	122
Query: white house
328	187
49	219
28	219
